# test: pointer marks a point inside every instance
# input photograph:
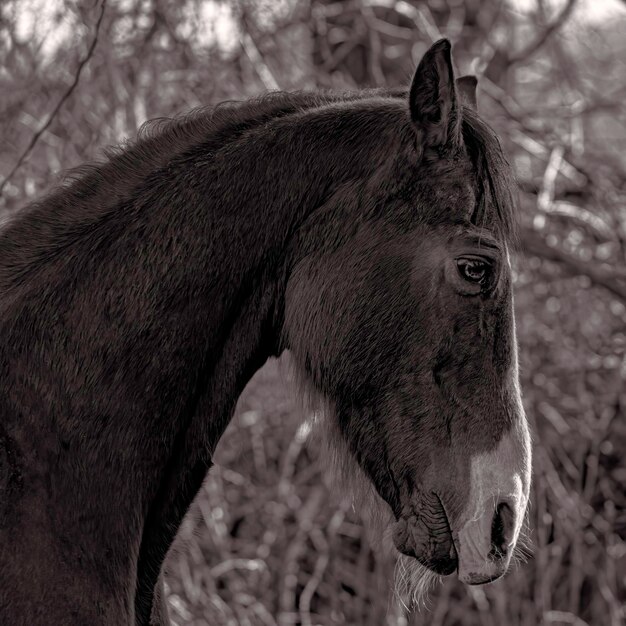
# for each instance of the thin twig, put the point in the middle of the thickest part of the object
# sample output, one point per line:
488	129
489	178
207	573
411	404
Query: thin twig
545	197
258	62
64	97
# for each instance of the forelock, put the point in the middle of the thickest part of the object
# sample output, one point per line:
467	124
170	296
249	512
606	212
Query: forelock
495	207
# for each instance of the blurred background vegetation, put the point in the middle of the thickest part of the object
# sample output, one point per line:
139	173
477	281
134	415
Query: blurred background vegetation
267	541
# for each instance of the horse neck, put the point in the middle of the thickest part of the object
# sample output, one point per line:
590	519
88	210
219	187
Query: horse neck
251	199
186	274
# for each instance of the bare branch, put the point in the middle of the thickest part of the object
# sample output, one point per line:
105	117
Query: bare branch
538	150
558	21
258	62
57	108
613	281
545	198
590	221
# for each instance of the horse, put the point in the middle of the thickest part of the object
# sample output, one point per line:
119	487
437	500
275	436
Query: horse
367	232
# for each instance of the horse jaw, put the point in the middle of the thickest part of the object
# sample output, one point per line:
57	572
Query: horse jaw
348	482
412	580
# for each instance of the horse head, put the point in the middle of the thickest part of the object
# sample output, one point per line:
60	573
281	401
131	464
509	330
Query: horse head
400	319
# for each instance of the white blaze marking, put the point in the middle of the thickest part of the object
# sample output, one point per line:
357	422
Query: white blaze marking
502	475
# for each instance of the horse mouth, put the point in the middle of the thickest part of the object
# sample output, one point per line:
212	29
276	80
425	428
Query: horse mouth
426	536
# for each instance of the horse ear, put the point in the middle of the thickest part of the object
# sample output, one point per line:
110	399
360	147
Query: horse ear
432	98
466	88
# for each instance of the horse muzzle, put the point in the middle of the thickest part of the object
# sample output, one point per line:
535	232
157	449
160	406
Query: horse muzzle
487	532
486	546
480	542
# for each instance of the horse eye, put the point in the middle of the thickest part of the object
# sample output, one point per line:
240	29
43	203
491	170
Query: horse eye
474	270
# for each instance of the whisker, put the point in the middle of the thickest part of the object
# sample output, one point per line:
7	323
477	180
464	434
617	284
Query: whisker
413	582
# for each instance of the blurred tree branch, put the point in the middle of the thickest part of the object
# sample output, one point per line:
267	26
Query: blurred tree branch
543	37
611	279
62	100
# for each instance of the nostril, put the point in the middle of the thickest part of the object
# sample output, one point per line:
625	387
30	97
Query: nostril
502	527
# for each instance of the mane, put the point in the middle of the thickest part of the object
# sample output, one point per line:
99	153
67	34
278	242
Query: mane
157	140
91	191
161	138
